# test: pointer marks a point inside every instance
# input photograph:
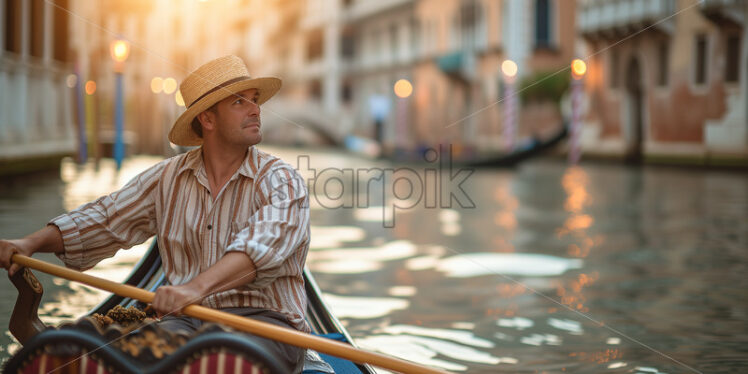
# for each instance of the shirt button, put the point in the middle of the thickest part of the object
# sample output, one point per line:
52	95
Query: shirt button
210	227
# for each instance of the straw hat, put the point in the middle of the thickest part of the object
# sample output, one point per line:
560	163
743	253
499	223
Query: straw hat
211	83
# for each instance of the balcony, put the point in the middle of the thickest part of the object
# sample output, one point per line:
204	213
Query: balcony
619	18
459	65
725	12
363	9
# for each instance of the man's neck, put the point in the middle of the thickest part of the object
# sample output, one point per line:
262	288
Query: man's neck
220	164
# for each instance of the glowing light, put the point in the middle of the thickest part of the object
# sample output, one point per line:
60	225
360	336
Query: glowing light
157	84
178	98
403	88
71	80
578	68
90	87
120	49
509	68
170	85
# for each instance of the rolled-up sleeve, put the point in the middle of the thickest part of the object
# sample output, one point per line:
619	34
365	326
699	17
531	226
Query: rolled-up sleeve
278	231
120	220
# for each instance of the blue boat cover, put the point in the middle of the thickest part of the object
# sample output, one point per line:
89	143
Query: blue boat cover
340	365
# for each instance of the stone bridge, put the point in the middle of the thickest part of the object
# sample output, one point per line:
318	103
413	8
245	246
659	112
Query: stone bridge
300	121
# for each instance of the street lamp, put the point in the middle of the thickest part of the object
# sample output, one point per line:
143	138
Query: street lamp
403	89
578	69
170	85
120	50
509	70
157	84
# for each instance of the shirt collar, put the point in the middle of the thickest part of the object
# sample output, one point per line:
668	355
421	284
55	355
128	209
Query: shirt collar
194	162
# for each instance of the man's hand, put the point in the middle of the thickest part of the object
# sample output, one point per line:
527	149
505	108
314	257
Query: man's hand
172	299
7	249
48	239
234	269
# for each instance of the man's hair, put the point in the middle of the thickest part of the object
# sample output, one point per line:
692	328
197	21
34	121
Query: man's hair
197	127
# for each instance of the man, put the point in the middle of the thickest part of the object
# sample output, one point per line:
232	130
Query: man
232	222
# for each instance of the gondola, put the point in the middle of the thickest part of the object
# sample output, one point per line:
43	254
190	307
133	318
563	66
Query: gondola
526	149
82	347
529	148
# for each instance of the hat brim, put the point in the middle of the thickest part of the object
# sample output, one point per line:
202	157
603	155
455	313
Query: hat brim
181	132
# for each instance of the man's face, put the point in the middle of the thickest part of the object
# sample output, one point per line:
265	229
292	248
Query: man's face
238	118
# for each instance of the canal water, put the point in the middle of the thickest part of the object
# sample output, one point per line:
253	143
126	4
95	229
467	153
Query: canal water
541	269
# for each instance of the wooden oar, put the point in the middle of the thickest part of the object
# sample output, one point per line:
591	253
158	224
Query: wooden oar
266	330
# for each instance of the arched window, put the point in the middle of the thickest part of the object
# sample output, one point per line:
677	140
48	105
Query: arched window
468	24
543	23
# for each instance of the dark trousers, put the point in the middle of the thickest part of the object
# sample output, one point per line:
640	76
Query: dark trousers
290	356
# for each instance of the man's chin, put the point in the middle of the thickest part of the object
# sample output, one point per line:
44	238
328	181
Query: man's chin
257	139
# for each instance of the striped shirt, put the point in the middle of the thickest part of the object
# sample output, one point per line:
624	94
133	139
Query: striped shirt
262	211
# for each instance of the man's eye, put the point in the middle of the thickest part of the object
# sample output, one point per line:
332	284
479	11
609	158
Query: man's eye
238	101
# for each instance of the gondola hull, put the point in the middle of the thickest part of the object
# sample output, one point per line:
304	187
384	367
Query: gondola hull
83	347
526	150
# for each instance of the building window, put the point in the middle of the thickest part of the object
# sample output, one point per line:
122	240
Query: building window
433	32
700	68
315	45
346	92
415	36
732	63
614	69
315	89
663	52
503	22
542	23
60	20
13	26
36	46
467	24
347	42
393	41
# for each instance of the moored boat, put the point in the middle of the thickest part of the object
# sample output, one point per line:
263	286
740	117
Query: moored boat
524	150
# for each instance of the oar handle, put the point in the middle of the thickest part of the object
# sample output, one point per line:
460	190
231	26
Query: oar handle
266	330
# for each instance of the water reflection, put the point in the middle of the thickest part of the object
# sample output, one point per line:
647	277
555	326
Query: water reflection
402	291
377	214
658	254
616	365
425	350
363	307
518	323
540	339
359	260
606	241
83	183
525	264
450	222
27	203
335	236
573	327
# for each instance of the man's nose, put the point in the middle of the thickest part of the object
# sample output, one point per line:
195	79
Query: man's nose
254	109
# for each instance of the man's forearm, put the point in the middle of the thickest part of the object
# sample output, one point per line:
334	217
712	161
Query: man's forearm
48	239
231	271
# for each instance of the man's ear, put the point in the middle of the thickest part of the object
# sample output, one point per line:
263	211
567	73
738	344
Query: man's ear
207	119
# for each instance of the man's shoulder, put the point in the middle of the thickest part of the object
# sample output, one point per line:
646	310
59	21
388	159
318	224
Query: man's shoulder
271	165
182	161
270	162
